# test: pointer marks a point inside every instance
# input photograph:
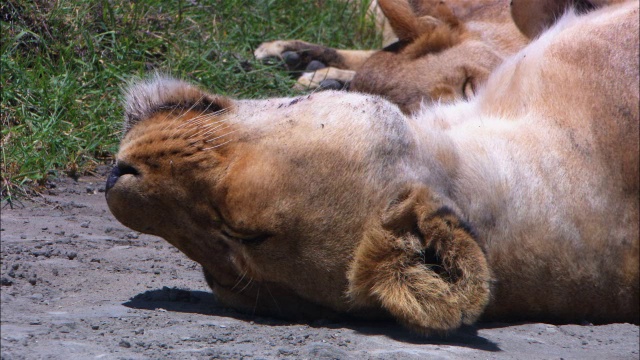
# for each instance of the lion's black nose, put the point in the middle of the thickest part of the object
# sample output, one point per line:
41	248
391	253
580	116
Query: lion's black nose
117	172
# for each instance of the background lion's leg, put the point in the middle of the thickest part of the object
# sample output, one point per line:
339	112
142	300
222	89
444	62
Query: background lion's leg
299	55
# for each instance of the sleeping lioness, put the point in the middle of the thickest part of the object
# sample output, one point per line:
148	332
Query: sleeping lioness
521	203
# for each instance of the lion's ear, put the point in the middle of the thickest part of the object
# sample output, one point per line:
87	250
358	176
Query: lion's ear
421	263
410	20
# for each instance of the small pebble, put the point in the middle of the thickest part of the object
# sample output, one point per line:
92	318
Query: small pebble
124	344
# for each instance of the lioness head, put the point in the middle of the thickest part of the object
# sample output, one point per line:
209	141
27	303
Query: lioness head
298	212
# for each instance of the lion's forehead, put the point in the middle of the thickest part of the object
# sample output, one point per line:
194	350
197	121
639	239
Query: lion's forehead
331	117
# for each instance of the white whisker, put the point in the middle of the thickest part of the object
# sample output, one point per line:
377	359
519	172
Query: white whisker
184	113
246	285
167	117
221	136
193	106
239	281
193	126
255	305
274	299
216	146
205	127
196	120
202	122
220	127
204	116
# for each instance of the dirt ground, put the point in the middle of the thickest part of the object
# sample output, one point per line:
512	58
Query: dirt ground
78	285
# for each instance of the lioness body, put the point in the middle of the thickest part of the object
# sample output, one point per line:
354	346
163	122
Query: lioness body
519	204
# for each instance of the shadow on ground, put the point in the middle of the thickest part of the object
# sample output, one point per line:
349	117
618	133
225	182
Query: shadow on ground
201	302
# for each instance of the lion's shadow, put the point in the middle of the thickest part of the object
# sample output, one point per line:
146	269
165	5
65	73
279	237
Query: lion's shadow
201	302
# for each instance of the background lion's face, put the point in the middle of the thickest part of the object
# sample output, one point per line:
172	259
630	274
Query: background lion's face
445	76
271	203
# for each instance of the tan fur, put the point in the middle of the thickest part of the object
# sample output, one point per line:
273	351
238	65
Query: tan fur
521	203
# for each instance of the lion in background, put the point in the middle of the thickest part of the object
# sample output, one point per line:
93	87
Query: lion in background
443	51
520	203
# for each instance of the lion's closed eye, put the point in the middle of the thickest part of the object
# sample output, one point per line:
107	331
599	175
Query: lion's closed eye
244	238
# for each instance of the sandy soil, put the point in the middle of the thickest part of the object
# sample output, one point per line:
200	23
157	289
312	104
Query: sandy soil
78	285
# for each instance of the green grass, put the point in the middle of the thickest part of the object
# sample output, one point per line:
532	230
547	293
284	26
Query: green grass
64	63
